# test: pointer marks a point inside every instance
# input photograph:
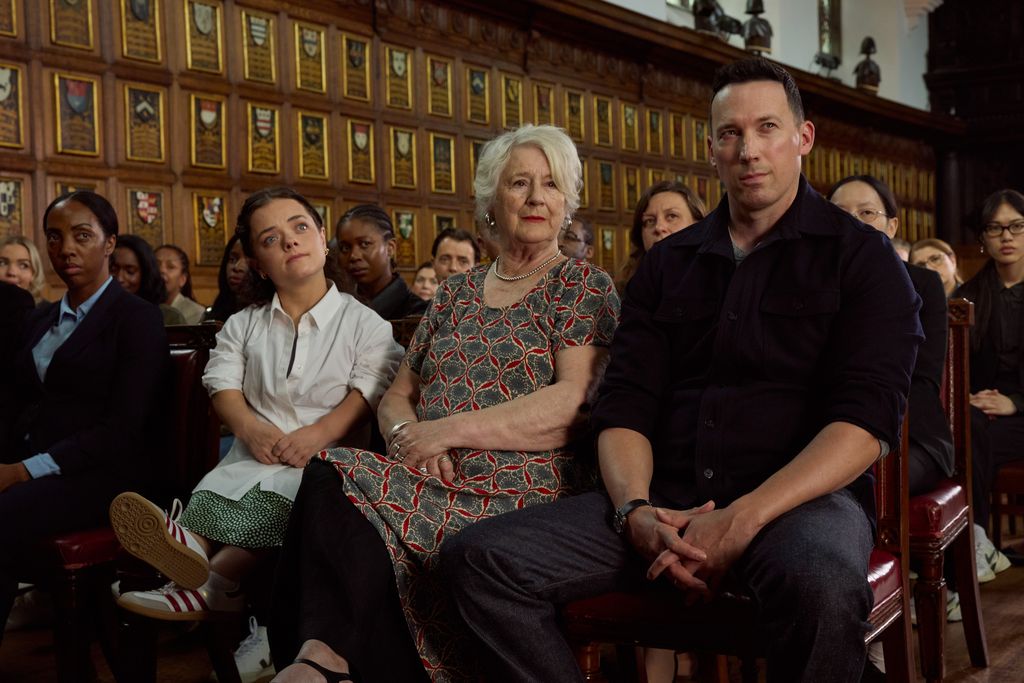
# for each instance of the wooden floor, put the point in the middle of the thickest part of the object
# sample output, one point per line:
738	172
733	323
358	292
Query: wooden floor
27	656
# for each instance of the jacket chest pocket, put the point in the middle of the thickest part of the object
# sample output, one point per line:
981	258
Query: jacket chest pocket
690	325
795	327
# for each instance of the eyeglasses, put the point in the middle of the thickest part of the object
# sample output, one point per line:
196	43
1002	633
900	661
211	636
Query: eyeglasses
933	260
996	229
569	237
869	215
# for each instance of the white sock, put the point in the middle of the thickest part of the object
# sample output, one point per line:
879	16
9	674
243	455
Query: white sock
216	582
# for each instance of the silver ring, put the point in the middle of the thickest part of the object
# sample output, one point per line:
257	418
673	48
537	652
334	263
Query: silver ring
424	470
443	458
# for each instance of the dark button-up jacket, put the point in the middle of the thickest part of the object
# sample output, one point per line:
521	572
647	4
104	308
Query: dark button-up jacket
731	371
397	301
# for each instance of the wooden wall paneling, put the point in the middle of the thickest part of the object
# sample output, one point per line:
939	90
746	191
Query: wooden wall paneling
16	204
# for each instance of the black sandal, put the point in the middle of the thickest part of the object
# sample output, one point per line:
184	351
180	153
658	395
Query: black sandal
329	676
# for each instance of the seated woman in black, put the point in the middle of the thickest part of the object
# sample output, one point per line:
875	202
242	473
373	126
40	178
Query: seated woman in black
78	415
133	264
233	283
366	251
997	373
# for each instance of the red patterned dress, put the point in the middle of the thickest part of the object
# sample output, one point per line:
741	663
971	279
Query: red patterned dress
470	356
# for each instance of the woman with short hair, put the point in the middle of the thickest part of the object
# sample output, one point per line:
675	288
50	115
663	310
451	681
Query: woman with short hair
477	422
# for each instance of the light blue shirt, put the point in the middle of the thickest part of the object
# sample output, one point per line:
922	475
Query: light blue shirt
68	319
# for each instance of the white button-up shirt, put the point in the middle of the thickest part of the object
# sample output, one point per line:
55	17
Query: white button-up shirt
339	345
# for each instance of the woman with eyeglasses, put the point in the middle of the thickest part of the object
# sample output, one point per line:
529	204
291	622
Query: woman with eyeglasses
997	346
934	254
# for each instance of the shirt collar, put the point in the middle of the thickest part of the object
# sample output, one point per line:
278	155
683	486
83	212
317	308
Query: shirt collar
84	307
321	312
809	214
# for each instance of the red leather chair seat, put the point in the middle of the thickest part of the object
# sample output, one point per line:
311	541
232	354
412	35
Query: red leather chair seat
883	574
931	513
83	548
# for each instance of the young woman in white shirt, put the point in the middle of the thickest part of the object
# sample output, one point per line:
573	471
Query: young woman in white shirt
299	371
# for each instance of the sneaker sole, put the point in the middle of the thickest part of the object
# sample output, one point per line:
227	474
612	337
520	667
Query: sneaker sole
1000	563
141	528
153	613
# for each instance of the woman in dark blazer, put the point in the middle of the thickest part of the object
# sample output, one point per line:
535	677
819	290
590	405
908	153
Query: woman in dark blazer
77	417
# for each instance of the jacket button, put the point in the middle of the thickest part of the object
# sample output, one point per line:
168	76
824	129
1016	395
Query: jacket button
709	423
798	304
677	311
708	473
731	316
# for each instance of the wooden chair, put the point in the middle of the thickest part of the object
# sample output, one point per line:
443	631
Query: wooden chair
403	329
726	625
1007	483
944	518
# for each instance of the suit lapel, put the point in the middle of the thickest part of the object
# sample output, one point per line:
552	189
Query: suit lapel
38	326
90	327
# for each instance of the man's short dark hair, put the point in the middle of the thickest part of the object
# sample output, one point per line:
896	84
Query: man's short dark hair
458	235
759	69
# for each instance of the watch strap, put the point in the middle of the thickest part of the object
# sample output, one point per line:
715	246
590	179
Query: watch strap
619	520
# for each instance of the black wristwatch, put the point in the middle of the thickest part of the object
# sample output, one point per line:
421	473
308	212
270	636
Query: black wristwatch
619	518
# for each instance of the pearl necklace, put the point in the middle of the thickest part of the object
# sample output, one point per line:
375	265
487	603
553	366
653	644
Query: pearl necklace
516	278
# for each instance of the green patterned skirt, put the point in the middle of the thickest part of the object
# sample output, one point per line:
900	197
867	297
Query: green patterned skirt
257	520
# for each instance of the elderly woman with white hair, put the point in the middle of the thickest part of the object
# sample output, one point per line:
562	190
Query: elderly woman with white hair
477	423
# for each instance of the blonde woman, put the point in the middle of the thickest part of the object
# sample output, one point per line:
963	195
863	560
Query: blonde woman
20	265
934	254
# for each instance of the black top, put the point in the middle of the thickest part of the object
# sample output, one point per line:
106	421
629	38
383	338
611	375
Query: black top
929	426
996	341
397	301
730	372
101	405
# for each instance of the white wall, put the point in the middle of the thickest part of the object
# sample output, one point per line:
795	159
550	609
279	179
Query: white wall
901	51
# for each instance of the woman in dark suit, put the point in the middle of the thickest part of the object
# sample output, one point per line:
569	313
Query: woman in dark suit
78	415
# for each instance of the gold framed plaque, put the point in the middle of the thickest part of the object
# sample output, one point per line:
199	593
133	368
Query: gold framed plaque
512	101
630	128
630	187
360	152
63	187
700	139
207	114
71	23
12	113
654	131
606	185
475	148
543	111
259	58
701	185
444	221
442	170
655	175
140	30
8	19
208	221
403	157
143	123
77	108
203	44
355	71
585	190
607	248
405	229
323	209
12	206
478	95
312	137
574	124
676	136
263	137
439	86
310	72
146	215
398	84
602	121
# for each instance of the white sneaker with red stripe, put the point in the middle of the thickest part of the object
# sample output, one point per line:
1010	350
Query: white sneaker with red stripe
155	537
175	603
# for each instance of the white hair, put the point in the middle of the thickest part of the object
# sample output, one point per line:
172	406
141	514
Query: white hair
561	154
